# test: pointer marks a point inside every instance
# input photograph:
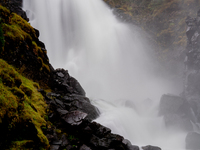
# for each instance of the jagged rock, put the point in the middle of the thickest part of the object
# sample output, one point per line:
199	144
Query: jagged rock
62	112
64	83
149	147
99	143
84	147
193	141
129	146
74	117
59	142
99	130
65	141
191	27
54	147
81	103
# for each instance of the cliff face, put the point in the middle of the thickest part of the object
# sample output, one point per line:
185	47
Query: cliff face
164	20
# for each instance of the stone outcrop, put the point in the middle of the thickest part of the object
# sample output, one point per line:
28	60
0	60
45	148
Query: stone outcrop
193	141
176	111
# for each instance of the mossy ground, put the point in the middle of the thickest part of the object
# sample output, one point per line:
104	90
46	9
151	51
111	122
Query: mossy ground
21	105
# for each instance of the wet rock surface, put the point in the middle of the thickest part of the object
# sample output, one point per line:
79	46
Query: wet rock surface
149	147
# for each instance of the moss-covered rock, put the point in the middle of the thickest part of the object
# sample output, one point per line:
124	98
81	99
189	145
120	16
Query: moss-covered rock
23	49
22	111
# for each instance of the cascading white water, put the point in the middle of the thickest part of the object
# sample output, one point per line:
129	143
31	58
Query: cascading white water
112	61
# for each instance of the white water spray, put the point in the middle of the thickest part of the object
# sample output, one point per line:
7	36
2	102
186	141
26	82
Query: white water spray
112	62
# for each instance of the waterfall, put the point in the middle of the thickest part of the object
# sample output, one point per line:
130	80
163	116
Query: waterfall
114	63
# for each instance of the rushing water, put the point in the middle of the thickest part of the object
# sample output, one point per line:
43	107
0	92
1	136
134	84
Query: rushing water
113	61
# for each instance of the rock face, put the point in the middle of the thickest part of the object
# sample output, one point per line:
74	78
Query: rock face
193	45
183	111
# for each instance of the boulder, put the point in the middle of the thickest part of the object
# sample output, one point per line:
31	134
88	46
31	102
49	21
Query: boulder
193	141
176	111
84	147
129	146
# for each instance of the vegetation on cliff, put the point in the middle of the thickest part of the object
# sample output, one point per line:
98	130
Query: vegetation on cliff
22	48
164	20
22	107
22	110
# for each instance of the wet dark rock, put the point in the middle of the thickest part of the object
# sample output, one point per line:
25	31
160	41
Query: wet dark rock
54	95
62	112
64	83
193	44
99	130
149	147
193	141
59	142
81	103
99	143
54	147
74	117
176	111
84	147
60	103
65	141
129	146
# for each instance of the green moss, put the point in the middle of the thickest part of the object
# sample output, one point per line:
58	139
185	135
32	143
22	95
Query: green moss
23	24
20	103
22	145
2	42
4	13
43	65
26	90
15	33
